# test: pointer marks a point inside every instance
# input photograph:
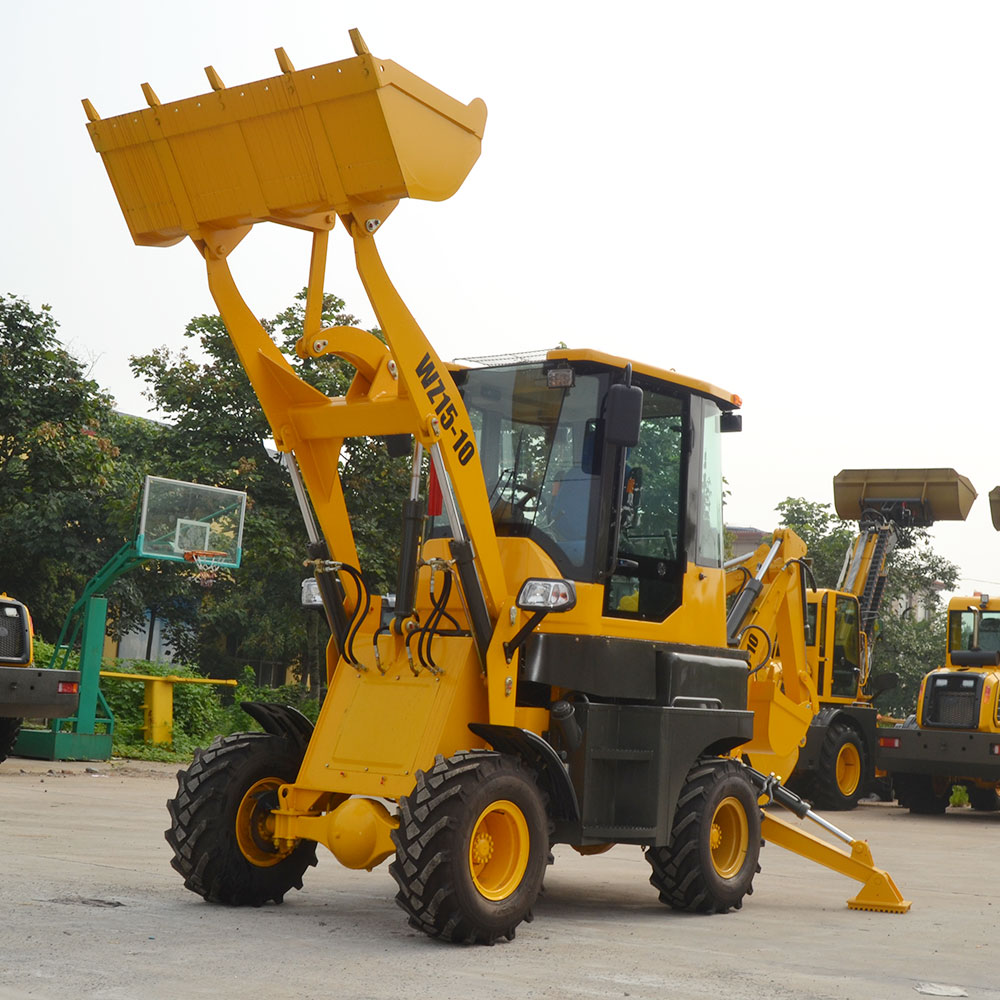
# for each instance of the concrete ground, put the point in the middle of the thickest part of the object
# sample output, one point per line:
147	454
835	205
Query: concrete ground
93	911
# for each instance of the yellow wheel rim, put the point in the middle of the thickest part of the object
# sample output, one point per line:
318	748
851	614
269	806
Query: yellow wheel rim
729	837
848	769
255	824
498	850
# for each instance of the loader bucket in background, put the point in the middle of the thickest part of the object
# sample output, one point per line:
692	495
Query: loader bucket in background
917	496
995	506
351	137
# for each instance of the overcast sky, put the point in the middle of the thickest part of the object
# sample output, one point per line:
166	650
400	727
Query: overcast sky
798	202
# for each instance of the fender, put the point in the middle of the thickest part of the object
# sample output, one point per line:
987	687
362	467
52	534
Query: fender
543	761
281	720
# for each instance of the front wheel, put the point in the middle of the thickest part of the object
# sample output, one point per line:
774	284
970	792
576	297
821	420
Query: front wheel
9	729
471	848
221	824
711	860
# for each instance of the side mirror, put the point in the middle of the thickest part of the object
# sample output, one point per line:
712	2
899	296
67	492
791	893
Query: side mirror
546	595
623	415
540	597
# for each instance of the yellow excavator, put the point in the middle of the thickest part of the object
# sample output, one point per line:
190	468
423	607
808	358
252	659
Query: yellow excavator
811	688
555	669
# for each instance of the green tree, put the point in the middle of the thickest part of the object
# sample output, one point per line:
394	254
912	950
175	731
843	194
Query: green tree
216	429
827	538
57	466
911	636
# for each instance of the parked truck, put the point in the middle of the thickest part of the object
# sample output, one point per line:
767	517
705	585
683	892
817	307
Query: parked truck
28	691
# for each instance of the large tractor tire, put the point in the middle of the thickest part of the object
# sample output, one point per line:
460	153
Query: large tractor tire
840	778
471	848
711	860
221	822
921	794
983	799
9	729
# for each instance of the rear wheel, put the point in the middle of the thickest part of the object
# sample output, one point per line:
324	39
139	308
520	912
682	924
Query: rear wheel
471	848
840	778
921	794
9	728
711	860
221	825
983	799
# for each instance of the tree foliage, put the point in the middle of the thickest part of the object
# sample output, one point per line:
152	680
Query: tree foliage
72	471
58	465
215	434
827	538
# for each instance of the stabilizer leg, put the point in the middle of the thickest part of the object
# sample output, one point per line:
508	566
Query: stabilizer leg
878	891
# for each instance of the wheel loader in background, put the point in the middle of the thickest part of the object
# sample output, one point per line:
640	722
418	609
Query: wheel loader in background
26	690
555	668
811	689
954	737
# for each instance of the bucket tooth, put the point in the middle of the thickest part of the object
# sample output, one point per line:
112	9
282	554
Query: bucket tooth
283	61
151	99
214	80
360	48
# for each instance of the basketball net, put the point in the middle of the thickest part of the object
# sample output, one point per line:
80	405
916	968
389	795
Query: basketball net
207	562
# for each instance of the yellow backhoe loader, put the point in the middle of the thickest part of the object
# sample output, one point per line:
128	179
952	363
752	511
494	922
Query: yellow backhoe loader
811	689
555	668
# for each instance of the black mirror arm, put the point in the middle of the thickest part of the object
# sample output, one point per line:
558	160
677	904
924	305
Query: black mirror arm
510	648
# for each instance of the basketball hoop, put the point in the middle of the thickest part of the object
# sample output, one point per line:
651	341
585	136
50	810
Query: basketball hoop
207	561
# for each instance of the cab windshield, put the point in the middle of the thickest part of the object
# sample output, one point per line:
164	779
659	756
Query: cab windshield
550	478
538	441
962	630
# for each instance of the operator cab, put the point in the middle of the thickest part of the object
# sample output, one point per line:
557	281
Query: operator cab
629	517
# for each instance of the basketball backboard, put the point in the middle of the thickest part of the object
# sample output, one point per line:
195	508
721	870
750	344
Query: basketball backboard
178	519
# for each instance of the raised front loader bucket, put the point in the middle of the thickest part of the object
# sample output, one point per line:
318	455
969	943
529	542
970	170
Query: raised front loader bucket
920	496
351	137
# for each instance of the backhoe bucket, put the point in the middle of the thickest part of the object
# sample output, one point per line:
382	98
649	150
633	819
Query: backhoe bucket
351	138
915	497
995	506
